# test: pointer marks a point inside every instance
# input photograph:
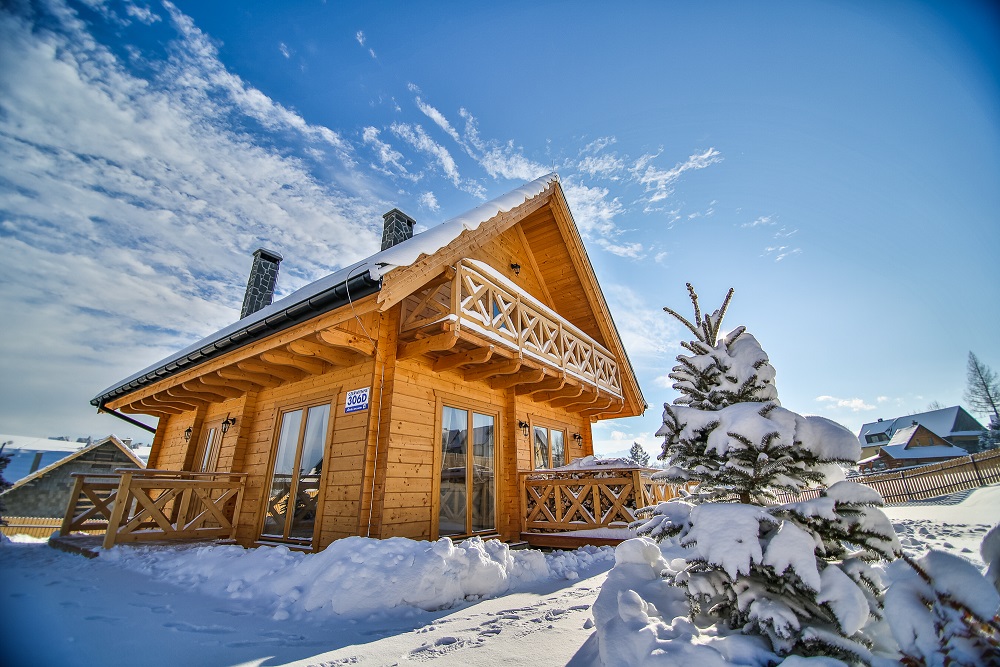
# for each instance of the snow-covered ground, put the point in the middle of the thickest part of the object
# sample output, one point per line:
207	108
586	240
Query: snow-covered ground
360	603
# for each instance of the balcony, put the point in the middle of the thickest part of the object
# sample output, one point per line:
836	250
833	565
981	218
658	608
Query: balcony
472	320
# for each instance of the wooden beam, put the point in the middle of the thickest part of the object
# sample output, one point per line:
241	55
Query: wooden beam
221	391
310	366
259	378
617	406
583	399
534	266
139	409
178	395
188	395
337	356
552	384
491	370
570	391
286	373
345	339
439	343
167	403
216	379
478	356
523	377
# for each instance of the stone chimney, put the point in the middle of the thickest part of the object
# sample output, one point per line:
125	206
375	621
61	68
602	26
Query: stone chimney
260	285
397	228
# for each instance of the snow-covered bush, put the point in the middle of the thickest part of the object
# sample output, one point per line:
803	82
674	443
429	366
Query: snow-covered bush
798	574
943	612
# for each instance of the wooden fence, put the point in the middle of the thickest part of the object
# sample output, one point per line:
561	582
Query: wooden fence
923	482
143	505
585	499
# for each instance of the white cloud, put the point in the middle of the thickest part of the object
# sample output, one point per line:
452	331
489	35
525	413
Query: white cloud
386	154
852	404
601	165
141	14
647	332
284	50
761	221
439	120
881	399
598	145
664	381
416	136
594	210
429	201
631	250
660	182
784	233
780	252
360	36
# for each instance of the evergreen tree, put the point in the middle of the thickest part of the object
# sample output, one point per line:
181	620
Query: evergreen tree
990	438
800	573
639	455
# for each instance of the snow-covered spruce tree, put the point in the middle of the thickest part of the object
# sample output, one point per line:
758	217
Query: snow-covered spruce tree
800	573
638	454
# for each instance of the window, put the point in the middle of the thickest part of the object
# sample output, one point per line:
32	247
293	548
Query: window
550	447
208	451
290	513
467	500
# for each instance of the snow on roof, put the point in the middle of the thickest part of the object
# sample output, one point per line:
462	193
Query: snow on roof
27	442
932	452
379	264
594	463
942	422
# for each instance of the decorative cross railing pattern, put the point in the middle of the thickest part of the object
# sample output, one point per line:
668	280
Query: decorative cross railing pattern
144	505
585	499
477	298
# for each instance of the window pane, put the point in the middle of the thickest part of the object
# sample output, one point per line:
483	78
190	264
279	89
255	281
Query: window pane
454	452
206	457
558	449
541	447
483	485
310	468
281	480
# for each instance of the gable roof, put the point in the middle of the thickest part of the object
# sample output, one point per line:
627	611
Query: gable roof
946	422
75	455
393	273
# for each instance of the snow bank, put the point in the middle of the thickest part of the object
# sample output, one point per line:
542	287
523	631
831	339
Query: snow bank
357	576
594	463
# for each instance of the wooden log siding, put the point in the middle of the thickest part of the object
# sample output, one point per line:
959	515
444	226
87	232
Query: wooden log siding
587	499
923	482
146	505
501	313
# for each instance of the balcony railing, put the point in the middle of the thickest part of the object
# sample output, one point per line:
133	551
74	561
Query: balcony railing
587	499
135	505
476	298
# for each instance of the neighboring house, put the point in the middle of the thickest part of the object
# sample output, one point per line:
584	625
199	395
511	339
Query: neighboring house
45	492
911	446
28	454
401	395
953	424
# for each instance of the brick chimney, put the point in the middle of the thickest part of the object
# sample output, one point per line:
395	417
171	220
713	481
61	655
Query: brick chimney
260	285
397	228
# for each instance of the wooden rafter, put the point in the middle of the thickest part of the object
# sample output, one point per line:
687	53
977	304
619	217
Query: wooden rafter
602	403
569	391
345	339
189	396
307	364
616	407
438	343
166	403
551	384
258	378
222	391
522	377
585	398
492	370
286	373
182	397
214	379
478	356
337	356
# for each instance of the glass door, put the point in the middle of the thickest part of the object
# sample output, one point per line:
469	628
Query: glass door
467	501
290	512
207	457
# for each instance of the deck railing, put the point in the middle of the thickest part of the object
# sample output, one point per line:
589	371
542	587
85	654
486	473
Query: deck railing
477	298
586	499
135	505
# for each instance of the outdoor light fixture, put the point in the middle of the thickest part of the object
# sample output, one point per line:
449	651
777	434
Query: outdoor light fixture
227	422
517	268
187	434
523	425
577	437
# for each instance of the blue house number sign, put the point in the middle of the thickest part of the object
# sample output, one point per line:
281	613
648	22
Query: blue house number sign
357	400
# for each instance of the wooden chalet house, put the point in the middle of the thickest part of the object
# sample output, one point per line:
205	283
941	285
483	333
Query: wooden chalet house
399	396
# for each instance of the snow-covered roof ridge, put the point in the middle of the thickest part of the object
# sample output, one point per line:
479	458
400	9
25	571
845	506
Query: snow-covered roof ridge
435	238
943	422
351	282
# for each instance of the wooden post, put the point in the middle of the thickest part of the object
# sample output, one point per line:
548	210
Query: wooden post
979	477
74	498
122	501
906	487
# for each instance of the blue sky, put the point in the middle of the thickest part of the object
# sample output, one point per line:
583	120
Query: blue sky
837	163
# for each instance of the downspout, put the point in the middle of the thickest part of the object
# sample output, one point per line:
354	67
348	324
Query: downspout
133	422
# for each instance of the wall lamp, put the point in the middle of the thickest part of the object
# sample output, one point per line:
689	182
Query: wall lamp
227	422
523	425
577	437
517	268
187	434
